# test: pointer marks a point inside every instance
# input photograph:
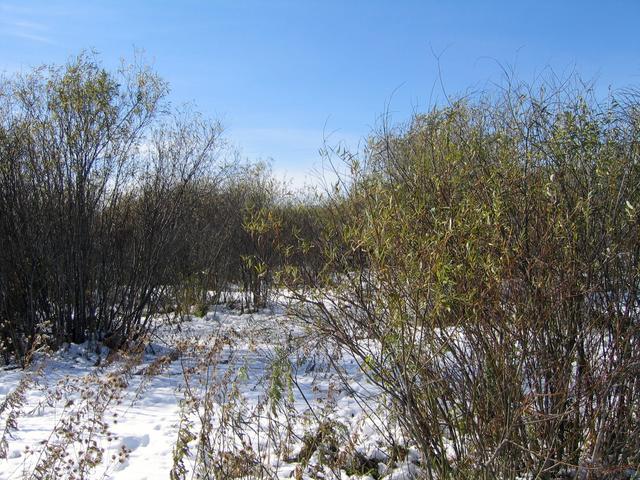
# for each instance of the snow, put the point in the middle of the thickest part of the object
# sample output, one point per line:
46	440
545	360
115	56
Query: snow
135	423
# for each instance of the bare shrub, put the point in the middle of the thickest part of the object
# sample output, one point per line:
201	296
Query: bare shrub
95	179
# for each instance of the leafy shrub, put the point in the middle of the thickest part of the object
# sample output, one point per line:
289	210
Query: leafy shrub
482	267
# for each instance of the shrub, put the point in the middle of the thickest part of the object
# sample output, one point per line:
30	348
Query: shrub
96	179
482	267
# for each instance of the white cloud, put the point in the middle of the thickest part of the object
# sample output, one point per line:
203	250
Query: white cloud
29	23
14	32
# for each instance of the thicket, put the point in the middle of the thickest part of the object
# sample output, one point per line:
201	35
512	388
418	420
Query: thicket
115	206
481	263
482	266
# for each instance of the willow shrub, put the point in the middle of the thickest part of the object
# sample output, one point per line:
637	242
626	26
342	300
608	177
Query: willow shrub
97	176
482	266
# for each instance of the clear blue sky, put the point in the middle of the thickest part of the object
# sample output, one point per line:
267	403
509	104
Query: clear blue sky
280	72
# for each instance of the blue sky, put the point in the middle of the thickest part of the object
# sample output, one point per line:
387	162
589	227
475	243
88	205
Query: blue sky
281	74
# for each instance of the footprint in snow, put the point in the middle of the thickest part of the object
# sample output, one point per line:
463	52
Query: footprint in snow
133	442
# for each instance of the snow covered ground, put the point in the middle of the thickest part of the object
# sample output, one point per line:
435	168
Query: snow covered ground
253	389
